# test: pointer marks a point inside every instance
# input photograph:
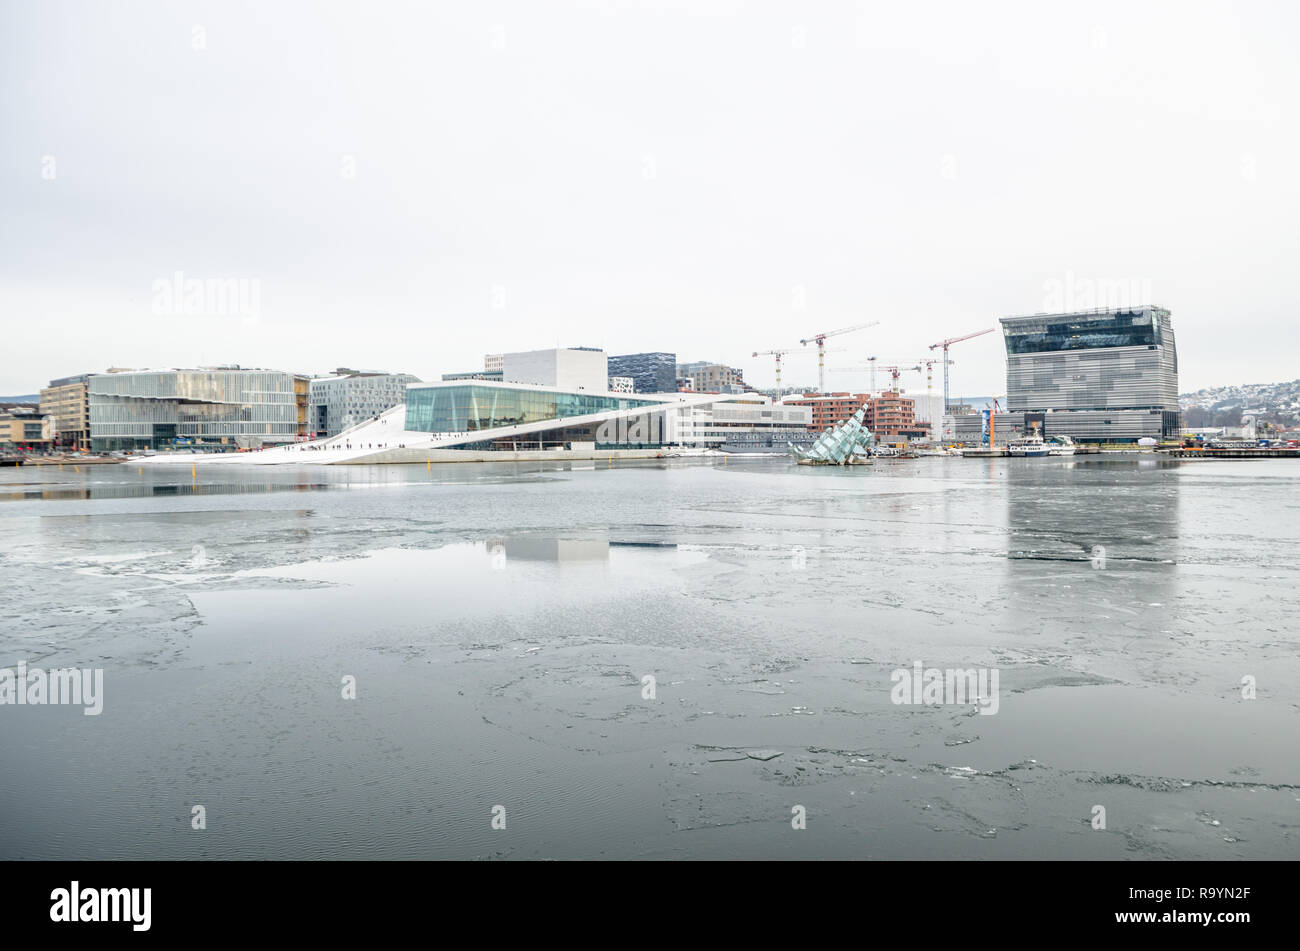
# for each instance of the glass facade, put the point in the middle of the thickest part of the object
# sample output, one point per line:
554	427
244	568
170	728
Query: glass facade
157	409
1085	332
464	409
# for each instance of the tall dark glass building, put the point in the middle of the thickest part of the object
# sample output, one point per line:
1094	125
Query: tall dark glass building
1107	375
650	372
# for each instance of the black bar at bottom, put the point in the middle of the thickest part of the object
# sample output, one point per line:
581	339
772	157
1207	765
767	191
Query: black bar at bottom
814	900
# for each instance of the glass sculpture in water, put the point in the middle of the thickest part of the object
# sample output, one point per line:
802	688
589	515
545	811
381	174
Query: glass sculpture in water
844	445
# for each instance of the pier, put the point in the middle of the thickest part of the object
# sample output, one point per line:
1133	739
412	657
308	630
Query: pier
1262	452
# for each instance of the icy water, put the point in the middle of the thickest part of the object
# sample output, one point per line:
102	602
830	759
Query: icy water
501	622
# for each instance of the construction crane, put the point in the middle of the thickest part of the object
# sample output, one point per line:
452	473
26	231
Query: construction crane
896	371
872	364
948	343
778	354
820	340
929	379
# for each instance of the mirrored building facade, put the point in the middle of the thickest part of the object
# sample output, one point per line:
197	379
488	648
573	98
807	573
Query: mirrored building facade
208	408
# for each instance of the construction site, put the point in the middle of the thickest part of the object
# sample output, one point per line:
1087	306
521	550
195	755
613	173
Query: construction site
897	421
1076	382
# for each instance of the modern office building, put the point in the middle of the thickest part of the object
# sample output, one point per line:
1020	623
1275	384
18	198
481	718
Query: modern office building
1106	375
622	384
566	368
67	400
708	377
350	397
211	407
650	372
26	429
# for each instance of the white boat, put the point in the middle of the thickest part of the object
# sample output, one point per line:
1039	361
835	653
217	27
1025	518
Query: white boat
1028	446
1060	446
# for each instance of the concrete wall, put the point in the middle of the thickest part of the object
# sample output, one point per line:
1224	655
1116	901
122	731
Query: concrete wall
565	369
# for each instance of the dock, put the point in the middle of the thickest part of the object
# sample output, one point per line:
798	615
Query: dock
1263	452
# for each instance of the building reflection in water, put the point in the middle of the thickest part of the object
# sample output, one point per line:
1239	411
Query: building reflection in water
1090	538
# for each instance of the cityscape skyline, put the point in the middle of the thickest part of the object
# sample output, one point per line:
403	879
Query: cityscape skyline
648	431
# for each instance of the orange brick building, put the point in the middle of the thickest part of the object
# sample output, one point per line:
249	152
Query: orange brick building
890	416
830	409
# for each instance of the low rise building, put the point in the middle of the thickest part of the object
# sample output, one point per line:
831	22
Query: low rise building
748	423
210	407
26	429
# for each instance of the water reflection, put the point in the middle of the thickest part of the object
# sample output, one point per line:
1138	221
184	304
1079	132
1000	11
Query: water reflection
1097	542
1066	512
63	493
549	548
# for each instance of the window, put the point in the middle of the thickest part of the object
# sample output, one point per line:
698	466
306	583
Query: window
1124	329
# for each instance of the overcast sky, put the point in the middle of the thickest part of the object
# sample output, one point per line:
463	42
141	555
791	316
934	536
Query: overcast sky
408	187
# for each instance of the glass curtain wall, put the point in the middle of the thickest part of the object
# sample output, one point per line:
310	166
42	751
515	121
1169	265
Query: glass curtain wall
463	409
